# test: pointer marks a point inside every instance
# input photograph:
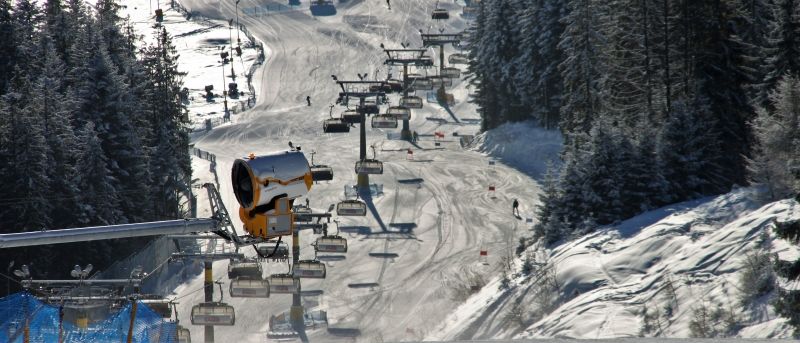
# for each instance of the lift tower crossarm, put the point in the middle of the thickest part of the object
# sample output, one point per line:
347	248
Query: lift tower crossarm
94	233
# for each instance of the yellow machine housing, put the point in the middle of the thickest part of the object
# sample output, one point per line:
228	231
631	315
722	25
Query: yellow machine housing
265	187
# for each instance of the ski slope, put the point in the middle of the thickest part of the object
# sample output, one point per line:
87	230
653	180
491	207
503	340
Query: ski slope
435	227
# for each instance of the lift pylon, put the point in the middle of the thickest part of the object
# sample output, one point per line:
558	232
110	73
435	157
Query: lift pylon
406	58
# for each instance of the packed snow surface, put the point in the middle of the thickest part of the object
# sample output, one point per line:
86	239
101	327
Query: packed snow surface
435	214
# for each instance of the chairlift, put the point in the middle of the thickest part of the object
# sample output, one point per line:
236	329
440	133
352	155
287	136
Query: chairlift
399	112
277	251
285	335
393	86
283	284
311	269
335	125
249	288
383	121
213	313
351	207
440	14
458	58
422	84
451	73
301	214
182	334
440	80
250	269
368	108
411	101
335	244
369	166
321	172
351	117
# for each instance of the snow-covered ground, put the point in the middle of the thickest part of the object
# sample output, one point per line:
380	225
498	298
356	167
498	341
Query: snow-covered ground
607	278
198	43
436	228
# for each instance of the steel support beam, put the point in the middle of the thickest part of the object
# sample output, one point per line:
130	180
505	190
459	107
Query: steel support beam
167	227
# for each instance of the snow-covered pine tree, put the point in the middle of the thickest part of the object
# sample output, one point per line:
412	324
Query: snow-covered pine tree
781	54
628	91
7	45
572	183
582	69
753	18
604	173
27	18
99	197
688	150
718	72
494	51
170	170
549	227
549	86
777	131
31	184
645	187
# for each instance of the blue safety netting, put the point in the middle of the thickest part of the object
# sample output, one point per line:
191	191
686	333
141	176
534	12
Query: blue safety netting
43	324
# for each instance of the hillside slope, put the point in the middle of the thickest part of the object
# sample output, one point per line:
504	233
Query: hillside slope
689	255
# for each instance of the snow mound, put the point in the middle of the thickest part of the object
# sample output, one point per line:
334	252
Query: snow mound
522	145
683	257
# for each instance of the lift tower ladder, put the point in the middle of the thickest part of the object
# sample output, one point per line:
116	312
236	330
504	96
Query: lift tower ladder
362	90
406	58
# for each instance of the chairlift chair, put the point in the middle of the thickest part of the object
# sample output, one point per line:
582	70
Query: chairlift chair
451	73
301	214
311	269
335	244
393	86
182	334
270	251
335	125
399	112
244	268
440	14
249	288
440	80
411	101
213	313
369	166
351	208
283	284
383	121
321	172
351	117
422	84
457	58
369	108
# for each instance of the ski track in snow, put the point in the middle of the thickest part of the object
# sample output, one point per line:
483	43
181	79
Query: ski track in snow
446	216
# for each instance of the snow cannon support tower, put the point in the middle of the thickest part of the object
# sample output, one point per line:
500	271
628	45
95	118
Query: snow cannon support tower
265	187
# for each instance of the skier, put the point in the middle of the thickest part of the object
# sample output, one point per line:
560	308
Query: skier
308	100
388	3
515	208
414	137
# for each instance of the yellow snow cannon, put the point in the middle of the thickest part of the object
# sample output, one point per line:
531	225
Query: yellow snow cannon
265	187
